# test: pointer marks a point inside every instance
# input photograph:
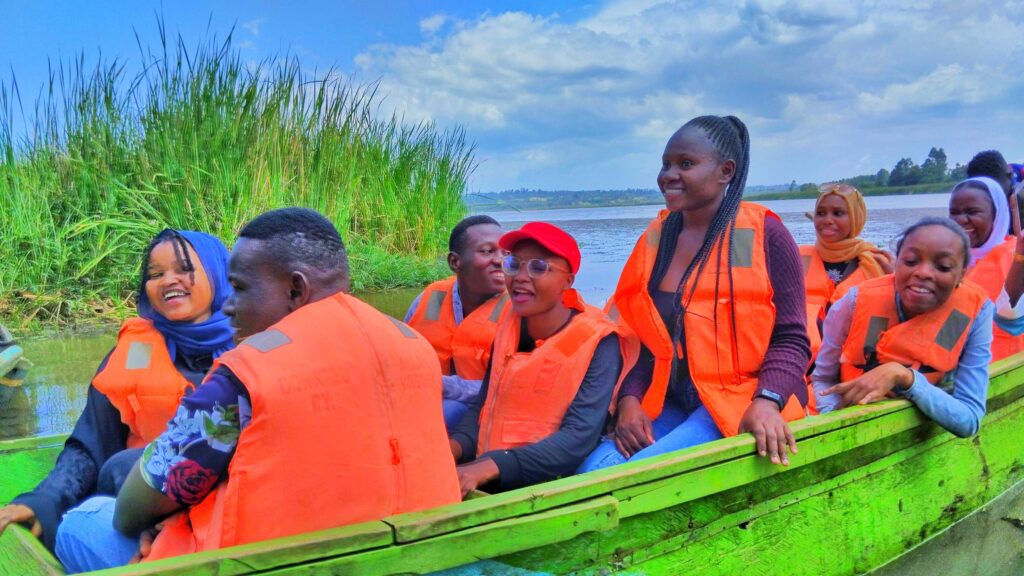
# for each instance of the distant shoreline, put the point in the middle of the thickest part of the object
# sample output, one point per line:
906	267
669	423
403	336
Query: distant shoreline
540	200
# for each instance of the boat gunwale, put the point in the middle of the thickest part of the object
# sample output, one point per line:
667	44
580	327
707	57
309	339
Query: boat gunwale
618	482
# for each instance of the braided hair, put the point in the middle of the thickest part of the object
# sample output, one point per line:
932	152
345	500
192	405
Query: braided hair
731	141
180	254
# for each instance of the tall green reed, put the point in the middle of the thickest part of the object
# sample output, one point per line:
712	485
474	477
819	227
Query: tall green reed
201	139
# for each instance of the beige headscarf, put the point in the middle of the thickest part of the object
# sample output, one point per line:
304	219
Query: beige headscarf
852	246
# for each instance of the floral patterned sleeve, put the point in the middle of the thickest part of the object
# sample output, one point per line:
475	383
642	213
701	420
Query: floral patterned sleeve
193	453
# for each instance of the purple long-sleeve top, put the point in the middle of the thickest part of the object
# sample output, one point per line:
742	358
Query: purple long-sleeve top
789	351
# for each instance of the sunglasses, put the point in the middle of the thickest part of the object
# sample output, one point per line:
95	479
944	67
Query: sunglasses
535	268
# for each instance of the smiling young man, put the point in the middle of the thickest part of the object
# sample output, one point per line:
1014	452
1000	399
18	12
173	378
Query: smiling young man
553	371
459	315
326	414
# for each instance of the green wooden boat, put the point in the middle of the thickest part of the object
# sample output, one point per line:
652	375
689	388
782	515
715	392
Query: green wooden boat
868	485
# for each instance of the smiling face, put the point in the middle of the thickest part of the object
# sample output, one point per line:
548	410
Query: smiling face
534	296
929	266
832	219
479	265
971	208
176	292
262	290
692	175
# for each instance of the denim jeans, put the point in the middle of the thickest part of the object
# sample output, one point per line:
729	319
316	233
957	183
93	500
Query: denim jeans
87	540
674	429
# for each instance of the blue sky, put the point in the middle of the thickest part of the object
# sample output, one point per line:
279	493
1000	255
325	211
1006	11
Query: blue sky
567	95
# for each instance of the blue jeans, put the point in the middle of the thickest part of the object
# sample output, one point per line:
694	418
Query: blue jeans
454	410
87	540
674	429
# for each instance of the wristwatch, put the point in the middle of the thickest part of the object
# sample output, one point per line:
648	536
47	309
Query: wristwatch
773	396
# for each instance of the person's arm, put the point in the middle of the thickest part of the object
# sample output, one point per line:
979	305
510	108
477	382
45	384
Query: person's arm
454	387
827	363
960	412
185	463
1014	286
463	440
638	379
789	350
98	435
412	308
561	453
1009	316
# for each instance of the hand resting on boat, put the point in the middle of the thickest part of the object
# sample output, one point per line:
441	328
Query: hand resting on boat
771	432
20	514
634	430
476	474
873	385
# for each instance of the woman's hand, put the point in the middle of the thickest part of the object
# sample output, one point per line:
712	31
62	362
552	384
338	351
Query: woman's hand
771	433
456	449
20	514
633	430
884	260
475	474
146	539
873	385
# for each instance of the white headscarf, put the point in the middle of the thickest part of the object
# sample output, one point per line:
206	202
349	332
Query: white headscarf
1002	220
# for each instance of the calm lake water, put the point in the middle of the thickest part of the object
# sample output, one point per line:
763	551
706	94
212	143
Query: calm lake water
53	396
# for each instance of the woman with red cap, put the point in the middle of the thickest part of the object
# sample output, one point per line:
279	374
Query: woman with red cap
552	375
706	264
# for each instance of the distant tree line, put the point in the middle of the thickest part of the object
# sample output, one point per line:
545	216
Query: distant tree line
934	170
906	173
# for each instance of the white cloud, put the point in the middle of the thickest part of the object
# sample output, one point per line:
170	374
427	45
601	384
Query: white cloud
946	84
254	26
825	87
433	24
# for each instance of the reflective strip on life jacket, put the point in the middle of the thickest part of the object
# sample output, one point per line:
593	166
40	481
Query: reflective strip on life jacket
346	427
723	364
930	343
463	349
529	392
822	292
140	380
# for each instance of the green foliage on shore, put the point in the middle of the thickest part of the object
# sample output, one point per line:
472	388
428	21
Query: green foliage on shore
201	139
811	191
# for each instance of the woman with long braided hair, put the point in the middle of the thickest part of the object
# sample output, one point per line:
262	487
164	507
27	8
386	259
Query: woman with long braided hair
714	289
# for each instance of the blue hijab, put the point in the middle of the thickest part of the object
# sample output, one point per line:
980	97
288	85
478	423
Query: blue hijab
213	336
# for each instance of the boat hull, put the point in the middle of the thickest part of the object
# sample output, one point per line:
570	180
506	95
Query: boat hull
868	485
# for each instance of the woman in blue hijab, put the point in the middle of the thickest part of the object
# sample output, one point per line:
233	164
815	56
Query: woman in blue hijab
159	357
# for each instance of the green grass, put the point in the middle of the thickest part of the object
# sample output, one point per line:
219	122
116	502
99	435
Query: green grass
201	139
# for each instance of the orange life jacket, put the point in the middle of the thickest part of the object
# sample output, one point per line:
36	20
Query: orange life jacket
346	427
140	380
990	273
723	364
930	343
462	349
822	292
530	392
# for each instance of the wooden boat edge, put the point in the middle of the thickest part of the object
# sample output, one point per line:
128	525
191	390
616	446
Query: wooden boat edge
635	488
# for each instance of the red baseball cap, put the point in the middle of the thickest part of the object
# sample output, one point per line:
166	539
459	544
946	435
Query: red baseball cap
547	235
